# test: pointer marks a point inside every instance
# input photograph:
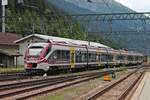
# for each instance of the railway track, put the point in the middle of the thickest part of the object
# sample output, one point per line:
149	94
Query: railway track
26	89
14	76
119	89
23	90
25	75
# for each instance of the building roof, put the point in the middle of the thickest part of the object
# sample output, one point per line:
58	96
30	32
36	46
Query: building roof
10	52
52	38
8	38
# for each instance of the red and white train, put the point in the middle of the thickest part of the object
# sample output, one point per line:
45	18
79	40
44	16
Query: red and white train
62	53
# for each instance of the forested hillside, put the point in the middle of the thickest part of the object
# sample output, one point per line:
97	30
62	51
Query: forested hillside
38	16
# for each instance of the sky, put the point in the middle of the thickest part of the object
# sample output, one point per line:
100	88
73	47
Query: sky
137	5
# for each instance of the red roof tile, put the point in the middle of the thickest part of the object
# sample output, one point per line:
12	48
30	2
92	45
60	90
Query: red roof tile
8	38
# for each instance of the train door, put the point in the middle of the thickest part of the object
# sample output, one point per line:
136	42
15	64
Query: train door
72	57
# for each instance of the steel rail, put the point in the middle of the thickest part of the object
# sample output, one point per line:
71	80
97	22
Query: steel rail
109	87
53	83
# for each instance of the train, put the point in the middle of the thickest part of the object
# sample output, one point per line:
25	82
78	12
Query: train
57	53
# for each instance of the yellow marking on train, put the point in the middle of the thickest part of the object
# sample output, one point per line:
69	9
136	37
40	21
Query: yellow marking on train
72	57
98	53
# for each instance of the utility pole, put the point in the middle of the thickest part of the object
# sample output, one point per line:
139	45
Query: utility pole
3	18
3	3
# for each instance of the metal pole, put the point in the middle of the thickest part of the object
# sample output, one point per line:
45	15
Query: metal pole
33	25
42	24
3	18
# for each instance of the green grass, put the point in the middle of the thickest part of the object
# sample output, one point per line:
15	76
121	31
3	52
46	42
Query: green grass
12	69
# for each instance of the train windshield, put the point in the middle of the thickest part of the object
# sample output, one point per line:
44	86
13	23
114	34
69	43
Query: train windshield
35	51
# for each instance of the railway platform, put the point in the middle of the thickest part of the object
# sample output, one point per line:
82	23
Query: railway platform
143	90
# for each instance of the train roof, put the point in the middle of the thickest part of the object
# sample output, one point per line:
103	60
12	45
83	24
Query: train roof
76	42
65	40
130	52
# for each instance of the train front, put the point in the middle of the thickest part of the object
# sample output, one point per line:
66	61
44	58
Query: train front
35	57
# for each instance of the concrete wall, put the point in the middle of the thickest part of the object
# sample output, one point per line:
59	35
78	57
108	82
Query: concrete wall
23	45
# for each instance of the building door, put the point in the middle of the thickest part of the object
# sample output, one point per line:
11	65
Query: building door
1	58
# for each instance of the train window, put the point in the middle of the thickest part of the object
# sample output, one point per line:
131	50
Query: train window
98	57
65	54
120	57
84	57
110	58
47	51
103	58
139	58
53	56
92	57
60	55
136	58
130	58
79	56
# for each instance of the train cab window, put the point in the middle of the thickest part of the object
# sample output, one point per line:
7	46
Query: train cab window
35	51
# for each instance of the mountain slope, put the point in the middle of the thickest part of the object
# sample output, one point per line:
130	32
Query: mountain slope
107	6
85	7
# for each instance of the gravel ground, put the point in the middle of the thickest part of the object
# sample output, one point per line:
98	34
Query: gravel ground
77	90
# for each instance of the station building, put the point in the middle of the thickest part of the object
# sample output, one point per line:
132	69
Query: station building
9	51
